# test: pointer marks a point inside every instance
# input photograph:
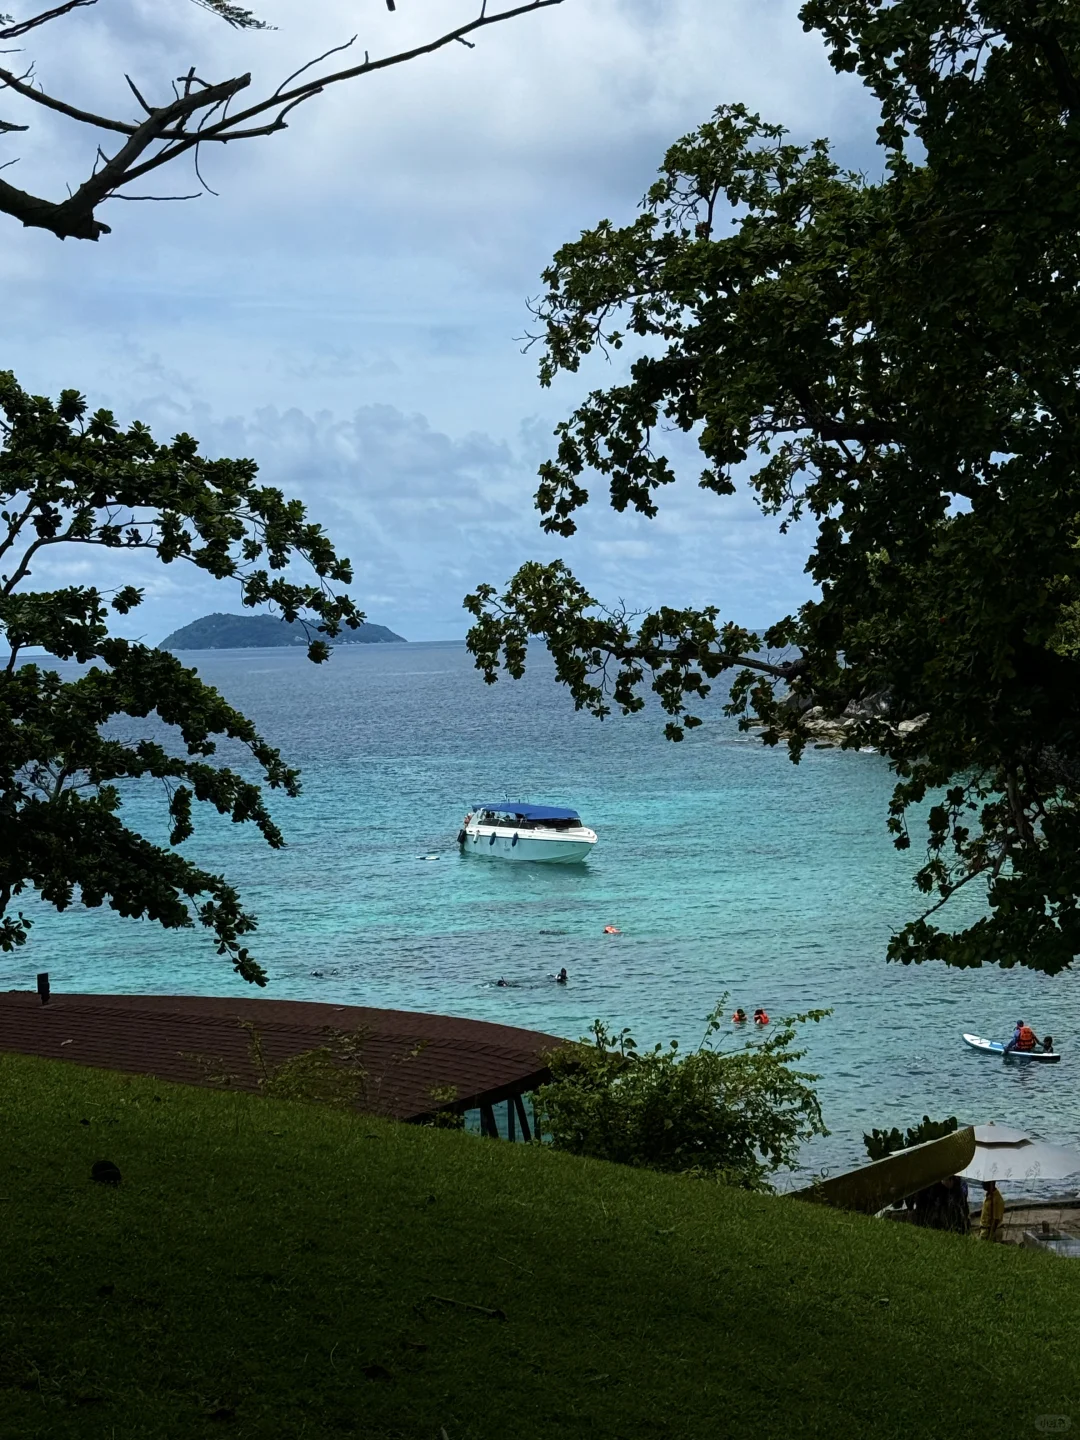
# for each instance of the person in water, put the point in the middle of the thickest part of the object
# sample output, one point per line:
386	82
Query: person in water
1024	1038
760	1017
993	1213
562	977
1048	1044
739	1018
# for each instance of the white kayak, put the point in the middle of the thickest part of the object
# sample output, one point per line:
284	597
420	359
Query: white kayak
995	1047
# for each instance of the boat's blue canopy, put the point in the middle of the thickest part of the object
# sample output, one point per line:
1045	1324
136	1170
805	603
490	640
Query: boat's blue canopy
527	812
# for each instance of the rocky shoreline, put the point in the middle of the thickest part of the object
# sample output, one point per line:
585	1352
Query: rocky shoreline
829	732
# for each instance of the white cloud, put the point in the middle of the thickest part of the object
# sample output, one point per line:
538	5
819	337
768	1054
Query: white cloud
369	266
425	516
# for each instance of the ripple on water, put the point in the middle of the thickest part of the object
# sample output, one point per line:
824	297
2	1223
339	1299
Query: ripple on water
725	868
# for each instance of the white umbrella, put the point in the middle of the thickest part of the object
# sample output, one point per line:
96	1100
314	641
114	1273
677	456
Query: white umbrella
1005	1154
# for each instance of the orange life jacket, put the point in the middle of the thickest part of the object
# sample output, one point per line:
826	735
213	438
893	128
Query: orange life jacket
1026	1039
761	1018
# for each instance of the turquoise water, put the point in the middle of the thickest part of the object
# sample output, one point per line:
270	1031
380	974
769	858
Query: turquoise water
725	867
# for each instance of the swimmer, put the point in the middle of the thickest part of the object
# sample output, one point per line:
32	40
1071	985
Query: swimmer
562	977
739	1018
760	1017
502	982
610	930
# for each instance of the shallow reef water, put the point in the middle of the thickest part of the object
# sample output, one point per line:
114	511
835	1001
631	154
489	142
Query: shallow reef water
725	868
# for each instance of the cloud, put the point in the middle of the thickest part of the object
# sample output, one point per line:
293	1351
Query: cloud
351	299
401	219
425	516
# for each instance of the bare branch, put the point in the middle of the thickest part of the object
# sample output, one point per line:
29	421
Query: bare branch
198	172
197	196
148	108
336	50
166	126
75	216
19	85
24	26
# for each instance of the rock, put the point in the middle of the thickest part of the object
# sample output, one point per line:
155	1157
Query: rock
833	730
871	707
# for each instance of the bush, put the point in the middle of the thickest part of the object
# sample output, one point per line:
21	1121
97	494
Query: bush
331	1074
735	1116
880	1143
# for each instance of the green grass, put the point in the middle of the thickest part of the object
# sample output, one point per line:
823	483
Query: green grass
265	1270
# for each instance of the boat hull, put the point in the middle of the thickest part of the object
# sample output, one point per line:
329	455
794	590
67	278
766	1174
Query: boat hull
538	846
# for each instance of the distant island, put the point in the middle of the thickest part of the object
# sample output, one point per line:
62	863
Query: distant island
264	632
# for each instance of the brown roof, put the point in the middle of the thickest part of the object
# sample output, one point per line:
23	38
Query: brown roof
406	1055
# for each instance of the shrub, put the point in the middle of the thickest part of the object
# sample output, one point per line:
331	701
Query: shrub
880	1143
331	1074
736	1116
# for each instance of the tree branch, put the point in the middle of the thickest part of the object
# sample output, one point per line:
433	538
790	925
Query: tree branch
1064	80
74	217
787	670
15	525
197	196
23	569
24	26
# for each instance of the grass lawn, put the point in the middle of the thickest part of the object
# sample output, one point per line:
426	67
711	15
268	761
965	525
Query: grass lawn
267	1269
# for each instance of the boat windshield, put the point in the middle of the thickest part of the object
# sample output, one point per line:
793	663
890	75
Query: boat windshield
521	822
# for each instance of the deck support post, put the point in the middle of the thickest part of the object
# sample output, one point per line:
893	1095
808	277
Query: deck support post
488	1127
519	1106
510	1120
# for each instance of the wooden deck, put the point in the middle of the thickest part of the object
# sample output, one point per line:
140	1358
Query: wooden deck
407	1056
1043	1216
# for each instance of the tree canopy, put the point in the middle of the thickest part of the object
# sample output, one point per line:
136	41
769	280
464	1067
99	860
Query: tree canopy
896	360
75	479
196	114
72	479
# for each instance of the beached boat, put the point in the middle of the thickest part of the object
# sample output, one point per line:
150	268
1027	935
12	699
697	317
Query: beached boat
514	830
995	1047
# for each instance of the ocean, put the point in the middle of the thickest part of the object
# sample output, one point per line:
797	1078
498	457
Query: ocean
726	869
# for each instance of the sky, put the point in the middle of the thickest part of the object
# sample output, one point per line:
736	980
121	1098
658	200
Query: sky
348	309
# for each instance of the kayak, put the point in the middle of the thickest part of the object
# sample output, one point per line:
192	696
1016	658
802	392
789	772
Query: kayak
995	1047
872	1187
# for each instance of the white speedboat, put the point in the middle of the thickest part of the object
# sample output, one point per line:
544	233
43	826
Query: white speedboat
513	830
